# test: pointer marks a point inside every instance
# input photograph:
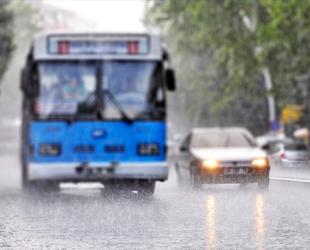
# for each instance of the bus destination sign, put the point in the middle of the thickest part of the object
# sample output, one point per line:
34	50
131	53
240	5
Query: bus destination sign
67	47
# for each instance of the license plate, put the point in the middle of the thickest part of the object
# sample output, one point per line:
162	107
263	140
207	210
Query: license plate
96	171
299	164
236	171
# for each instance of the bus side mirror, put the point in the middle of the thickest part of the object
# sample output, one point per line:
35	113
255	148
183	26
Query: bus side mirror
29	83
170	80
23	80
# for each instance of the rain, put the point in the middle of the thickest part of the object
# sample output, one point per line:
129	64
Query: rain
148	124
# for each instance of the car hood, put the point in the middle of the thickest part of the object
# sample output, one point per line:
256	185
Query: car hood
228	154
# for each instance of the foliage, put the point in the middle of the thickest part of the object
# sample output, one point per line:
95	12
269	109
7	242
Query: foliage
285	40
238	39
25	22
6	36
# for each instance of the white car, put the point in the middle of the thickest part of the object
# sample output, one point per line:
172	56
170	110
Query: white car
284	154
221	155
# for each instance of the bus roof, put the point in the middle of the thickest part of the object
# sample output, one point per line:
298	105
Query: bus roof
97	46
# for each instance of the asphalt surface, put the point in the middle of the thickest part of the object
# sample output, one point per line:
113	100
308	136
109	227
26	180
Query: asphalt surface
217	217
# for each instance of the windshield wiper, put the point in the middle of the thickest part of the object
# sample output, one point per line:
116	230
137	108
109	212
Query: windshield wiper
125	117
83	108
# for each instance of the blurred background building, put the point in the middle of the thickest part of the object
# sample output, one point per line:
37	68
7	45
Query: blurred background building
58	19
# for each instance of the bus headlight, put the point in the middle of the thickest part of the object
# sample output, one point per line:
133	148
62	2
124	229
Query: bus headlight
148	149
260	162
210	164
49	149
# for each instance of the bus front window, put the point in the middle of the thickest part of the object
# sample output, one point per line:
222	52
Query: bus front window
63	86
136	87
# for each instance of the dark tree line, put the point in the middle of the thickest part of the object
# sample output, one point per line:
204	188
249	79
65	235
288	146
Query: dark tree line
6	35
221	48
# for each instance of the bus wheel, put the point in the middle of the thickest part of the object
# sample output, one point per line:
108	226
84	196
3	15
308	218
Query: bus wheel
28	185
38	186
115	187
50	186
146	187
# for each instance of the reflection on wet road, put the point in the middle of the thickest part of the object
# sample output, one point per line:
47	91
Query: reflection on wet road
217	217
260	221
211	222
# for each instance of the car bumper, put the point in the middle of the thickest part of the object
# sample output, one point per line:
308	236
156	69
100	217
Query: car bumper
287	164
220	175
97	171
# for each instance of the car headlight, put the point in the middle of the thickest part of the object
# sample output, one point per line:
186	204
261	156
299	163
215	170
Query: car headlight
49	149
210	164
260	162
148	149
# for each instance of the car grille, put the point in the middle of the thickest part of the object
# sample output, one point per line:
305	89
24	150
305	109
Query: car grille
235	164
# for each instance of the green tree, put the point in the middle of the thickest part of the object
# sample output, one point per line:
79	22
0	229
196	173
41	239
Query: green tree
25	23
6	36
235	41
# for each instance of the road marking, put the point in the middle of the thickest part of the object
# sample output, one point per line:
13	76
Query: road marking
288	179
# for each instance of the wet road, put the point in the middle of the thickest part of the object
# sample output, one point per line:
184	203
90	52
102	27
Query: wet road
217	217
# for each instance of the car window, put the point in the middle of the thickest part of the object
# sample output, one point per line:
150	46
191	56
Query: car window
296	147
275	148
223	139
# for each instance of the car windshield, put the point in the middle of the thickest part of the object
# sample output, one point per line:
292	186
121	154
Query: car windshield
63	86
136	87
220	140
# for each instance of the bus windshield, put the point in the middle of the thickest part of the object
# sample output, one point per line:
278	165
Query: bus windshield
135	86
63	86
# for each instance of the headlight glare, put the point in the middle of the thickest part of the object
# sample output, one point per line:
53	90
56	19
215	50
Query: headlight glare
210	164
260	162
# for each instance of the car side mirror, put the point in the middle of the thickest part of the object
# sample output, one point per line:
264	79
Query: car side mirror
183	148
170	80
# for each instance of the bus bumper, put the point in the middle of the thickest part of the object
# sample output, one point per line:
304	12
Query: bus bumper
97	171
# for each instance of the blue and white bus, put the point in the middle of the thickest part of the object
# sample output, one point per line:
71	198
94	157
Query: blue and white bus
94	110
